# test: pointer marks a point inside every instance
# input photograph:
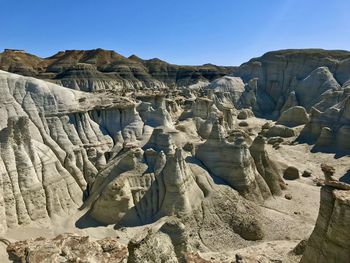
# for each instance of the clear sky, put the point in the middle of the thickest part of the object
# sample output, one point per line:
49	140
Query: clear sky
224	32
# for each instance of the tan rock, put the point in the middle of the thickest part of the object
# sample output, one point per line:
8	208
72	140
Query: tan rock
329	242
294	116
233	163
291	173
68	247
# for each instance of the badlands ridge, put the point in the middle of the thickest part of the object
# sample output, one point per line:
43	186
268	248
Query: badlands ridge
111	159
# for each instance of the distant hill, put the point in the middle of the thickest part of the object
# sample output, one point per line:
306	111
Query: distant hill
111	69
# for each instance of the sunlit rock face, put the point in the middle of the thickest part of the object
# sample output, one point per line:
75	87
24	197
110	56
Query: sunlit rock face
34	183
226	91
179	163
330	129
51	148
294	116
232	162
265	166
295	77
329	242
142	187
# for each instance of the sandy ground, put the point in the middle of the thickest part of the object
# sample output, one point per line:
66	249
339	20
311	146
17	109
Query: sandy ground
287	221
270	251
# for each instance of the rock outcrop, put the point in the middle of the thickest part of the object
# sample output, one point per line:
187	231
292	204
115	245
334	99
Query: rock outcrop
330	239
68	248
265	166
329	242
310	89
279	131
34	183
51	147
141	186
233	163
294	116
289	78
329	129
59	144
147	191
228	87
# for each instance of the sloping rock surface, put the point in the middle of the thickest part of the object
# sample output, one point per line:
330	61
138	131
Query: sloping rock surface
330	239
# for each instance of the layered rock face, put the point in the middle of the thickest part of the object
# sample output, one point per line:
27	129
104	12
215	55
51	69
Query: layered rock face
330	239
51	148
34	183
295	77
86	77
226	90
330	129
232	162
58	144
100	70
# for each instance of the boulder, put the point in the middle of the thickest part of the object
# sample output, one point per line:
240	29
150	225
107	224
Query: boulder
245	114
306	173
279	131
294	116
291	173
288	196
243	124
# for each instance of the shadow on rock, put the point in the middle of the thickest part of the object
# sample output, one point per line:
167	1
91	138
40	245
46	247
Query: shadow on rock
345	178
87	221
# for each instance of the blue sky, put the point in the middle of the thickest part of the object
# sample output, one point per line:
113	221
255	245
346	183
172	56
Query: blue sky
224	32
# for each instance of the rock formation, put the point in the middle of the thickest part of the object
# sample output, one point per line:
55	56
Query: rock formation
68	248
289	78
141	188
232	162
330	239
100	70
265	166
330	128
54	141
173	157
278	131
226	88
294	116
35	184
